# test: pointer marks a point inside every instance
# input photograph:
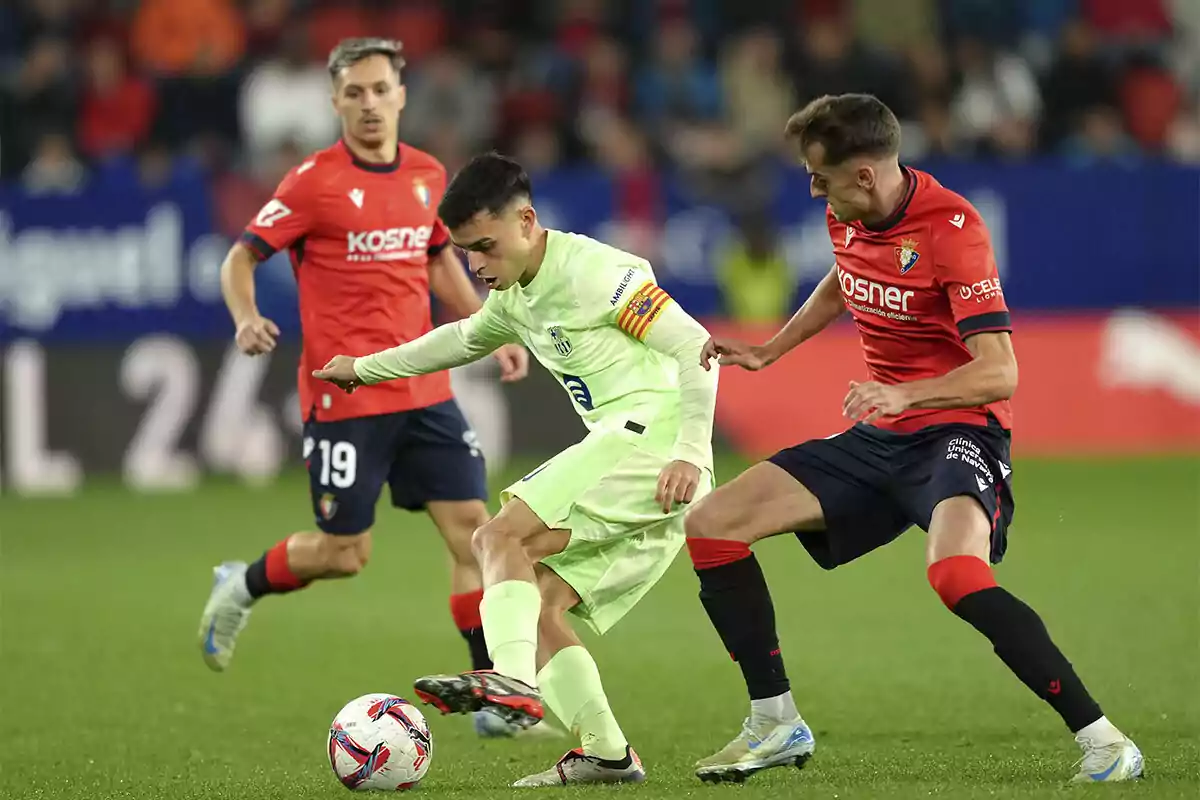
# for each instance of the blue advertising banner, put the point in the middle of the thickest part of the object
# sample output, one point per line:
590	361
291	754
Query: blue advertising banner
117	260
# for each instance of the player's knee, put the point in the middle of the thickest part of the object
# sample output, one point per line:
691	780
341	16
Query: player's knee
488	537
703	521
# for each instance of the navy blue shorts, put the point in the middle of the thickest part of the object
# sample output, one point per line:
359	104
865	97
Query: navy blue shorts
875	484
423	455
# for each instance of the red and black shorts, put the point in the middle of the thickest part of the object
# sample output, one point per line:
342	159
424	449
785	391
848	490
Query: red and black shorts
874	484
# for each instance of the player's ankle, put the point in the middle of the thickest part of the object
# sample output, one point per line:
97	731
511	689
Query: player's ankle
1100	732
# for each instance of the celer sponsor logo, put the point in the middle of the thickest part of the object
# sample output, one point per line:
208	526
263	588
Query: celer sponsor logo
622	287
389	244
876	298
980	290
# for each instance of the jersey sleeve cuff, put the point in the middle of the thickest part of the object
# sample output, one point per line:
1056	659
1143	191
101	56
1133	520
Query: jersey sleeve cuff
992	322
434	249
260	246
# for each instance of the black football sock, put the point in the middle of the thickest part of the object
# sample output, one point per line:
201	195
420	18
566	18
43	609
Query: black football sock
1020	638
738	603
478	647
271	574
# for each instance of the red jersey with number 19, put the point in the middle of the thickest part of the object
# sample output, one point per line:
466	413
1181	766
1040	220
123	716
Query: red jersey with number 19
360	236
918	285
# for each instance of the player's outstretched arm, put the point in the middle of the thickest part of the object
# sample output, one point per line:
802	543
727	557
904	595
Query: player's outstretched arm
821	308
442	348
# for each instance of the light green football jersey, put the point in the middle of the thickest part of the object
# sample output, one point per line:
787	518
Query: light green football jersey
585	316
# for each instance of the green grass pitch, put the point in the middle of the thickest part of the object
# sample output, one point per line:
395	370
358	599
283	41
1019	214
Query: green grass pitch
103	693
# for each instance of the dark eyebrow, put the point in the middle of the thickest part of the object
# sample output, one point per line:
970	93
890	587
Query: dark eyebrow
472	245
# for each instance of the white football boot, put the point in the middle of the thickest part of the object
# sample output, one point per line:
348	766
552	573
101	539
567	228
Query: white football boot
761	745
578	767
225	614
1119	761
490	725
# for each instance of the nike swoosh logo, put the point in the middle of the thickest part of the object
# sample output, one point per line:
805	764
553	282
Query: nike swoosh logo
210	647
798	735
1100	776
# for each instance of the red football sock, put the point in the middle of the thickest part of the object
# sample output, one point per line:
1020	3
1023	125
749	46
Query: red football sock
709	553
464	608
279	575
956	577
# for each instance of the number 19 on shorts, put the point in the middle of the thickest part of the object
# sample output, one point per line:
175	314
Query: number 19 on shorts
338	461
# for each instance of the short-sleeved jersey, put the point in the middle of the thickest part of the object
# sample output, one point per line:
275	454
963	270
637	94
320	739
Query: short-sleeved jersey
585	317
359	236
918	285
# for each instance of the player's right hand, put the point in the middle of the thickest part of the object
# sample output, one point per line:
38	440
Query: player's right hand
730	351
256	336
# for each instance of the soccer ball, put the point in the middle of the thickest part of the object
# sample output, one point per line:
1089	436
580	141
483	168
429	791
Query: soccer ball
380	741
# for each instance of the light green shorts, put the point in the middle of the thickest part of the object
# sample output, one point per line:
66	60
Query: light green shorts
602	490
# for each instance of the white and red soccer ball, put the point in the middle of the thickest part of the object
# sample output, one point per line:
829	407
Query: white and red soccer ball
380	741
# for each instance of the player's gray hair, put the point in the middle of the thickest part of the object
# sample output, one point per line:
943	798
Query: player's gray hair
350	51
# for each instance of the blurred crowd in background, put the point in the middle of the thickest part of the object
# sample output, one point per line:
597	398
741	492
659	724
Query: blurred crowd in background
237	90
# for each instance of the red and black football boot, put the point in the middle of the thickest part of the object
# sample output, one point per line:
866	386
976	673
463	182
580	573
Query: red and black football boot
513	700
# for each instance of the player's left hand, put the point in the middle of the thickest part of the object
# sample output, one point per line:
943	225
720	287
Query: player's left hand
340	372
867	402
677	484
514	362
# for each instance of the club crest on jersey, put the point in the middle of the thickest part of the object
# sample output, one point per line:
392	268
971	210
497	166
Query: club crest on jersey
328	506
561	343
421	191
907	255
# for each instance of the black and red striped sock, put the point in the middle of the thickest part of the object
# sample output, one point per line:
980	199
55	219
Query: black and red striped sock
1018	635
735	595
271	574
464	608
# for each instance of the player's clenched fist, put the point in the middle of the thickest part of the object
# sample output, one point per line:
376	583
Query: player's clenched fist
514	362
340	372
677	484
871	400
730	351
256	336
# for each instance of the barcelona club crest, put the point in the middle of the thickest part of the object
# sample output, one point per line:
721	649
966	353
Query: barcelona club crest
561	343
907	255
421	191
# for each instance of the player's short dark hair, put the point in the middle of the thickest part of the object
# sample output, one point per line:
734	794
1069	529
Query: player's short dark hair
488	182
351	51
846	126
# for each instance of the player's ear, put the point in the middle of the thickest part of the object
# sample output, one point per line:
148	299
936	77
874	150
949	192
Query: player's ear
866	177
403	95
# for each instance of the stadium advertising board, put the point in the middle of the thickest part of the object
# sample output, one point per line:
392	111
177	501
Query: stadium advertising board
115	357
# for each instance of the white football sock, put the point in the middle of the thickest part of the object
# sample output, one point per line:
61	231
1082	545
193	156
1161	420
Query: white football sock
510	612
781	707
571	688
1100	733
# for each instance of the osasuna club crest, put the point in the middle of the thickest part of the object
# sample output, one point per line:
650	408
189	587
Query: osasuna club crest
907	255
421	192
561	343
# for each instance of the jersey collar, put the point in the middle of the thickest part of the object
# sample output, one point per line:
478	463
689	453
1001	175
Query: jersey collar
369	166
894	218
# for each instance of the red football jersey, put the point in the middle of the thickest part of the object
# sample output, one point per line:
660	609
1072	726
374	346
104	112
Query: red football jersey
917	286
360	236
